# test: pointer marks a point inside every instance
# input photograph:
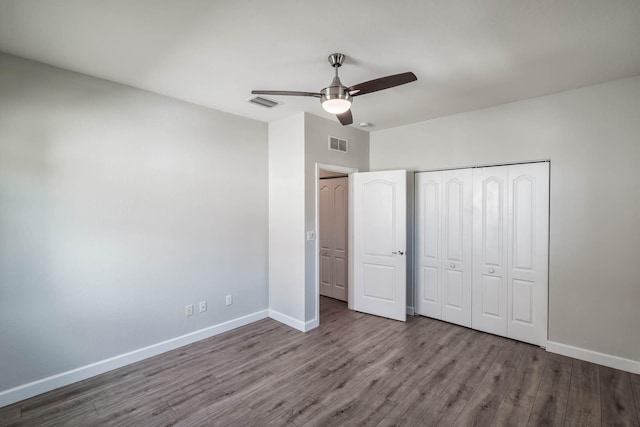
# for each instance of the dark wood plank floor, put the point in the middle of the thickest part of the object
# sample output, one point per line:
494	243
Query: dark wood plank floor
354	369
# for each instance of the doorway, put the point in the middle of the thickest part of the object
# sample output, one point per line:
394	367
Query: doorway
333	202
333	240
375	241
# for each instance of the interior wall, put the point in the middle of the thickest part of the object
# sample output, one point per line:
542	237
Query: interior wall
286	219
317	131
592	137
296	144
117	208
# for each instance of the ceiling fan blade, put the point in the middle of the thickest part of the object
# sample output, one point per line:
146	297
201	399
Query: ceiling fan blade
345	118
285	92
382	83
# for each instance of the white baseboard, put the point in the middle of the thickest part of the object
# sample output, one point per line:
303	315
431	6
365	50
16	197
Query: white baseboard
410	311
615	362
44	385
311	324
294	323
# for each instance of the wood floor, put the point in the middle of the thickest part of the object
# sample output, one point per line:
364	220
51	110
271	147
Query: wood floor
354	369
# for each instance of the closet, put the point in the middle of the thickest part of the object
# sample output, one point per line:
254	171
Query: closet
482	248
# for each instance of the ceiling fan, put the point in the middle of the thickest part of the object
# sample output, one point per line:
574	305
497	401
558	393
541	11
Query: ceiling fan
336	98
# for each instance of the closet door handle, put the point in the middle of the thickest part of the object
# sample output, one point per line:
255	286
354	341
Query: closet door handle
492	271
452	266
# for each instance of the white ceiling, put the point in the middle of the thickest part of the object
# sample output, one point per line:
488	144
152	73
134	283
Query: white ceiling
467	54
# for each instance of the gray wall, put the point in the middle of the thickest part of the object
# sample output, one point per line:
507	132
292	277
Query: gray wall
117	208
286	217
592	137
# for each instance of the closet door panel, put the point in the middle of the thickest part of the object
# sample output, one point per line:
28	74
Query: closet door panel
428	251
452	294
523	303
528	252
492	297
490	218
457	210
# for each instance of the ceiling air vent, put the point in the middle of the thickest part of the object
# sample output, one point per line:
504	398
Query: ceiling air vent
337	144
263	102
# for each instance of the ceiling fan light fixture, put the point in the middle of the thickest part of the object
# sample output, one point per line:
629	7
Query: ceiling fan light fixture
335	99
336	106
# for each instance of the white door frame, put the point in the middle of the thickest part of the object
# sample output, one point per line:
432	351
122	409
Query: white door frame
338	169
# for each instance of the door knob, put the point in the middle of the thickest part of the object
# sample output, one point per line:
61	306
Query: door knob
492	271
401	253
453	266
398	253
324	252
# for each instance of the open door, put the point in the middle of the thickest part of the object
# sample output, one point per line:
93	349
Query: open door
380	243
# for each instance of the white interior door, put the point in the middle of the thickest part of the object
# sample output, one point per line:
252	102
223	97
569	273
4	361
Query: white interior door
379	243
333	221
428	254
457	213
528	252
490	219
325	199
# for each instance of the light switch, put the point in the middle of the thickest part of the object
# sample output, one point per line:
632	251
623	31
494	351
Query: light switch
311	235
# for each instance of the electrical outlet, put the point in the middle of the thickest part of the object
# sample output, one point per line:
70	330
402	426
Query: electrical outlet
229	300
203	306
189	310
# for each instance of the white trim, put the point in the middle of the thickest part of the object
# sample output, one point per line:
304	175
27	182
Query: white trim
410	311
311	324
487	165
294	323
615	362
44	385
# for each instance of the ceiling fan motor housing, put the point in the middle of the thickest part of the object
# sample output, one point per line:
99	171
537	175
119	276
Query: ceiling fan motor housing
335	91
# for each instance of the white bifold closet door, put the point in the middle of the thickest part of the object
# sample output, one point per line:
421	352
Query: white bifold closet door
510	251
444	249
490	219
